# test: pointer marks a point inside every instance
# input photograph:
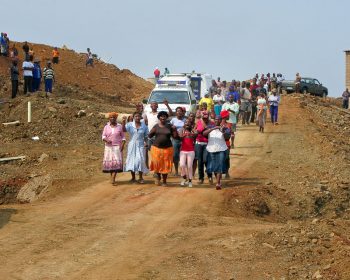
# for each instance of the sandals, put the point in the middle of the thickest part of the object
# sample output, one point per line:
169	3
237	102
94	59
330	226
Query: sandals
141	181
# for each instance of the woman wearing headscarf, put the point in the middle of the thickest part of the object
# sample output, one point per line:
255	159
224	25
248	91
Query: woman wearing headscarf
136	157
217	136
114	139
162	150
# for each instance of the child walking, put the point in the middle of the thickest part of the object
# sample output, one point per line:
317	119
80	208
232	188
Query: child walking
188	137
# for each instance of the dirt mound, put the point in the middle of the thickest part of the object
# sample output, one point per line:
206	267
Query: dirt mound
103	80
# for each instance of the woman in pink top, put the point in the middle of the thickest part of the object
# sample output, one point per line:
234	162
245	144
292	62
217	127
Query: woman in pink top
114	139
188	137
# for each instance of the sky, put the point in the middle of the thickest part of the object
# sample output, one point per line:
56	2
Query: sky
228	39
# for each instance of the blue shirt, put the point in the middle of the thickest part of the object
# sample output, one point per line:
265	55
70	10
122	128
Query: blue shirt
235	94
36	71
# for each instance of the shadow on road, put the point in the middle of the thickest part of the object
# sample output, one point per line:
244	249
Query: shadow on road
5	216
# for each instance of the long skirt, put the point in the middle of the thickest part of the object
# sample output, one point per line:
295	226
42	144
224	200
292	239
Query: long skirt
136	158
112	159
217	162
161	159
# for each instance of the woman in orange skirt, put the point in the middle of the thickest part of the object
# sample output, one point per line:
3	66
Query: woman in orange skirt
162	149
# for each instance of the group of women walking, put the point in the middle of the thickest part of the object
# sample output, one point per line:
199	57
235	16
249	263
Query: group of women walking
187	143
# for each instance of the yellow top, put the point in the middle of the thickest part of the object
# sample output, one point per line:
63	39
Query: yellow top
209	101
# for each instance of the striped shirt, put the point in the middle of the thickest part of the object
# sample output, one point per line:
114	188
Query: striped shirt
48	73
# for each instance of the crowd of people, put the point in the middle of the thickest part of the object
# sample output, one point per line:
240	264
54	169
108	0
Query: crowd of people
185	144
32	72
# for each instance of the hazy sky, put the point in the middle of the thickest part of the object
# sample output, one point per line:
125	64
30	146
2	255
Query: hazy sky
230	39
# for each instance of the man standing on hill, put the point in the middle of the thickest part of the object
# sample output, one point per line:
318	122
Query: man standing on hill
26	50
297	83
14	78
89	58
3	45
55	56
156	73
346	96
36	75
28	67
49	77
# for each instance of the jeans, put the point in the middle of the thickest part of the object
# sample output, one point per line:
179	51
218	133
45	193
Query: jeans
36	84
48	85
177	147
28	84
14	88
346	104
274	113
201	156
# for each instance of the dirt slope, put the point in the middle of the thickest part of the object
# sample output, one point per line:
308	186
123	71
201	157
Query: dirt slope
283	215
103	79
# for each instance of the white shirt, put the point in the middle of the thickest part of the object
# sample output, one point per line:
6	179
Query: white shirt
234	107
152	120
218	98
27	64
274	100
216	142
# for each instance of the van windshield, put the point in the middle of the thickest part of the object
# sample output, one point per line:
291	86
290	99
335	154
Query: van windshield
173	97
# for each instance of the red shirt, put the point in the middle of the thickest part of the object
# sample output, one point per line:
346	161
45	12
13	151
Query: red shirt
156	73
187	144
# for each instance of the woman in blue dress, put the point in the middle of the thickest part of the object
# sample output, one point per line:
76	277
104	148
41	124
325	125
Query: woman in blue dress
136	157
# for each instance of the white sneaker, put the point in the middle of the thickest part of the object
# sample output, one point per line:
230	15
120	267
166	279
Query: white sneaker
190	184
183	182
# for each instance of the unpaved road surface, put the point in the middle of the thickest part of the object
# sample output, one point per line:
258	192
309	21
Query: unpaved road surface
255	228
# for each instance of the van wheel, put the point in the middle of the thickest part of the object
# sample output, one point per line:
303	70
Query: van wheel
324	94
304	91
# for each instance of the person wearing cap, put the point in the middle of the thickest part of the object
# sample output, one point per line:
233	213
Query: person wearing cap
55	56
274	102
114	138
36	75
49	77
217	136
233	109
201	153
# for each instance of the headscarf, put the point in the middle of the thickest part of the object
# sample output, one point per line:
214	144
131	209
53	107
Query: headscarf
113	115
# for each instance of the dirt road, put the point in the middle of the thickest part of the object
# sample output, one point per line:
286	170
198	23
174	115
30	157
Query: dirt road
151	232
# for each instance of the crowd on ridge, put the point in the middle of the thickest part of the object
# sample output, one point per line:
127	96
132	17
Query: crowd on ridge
167	141
31	70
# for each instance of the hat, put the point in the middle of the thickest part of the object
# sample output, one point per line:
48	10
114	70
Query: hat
113	115
224	114
36	59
